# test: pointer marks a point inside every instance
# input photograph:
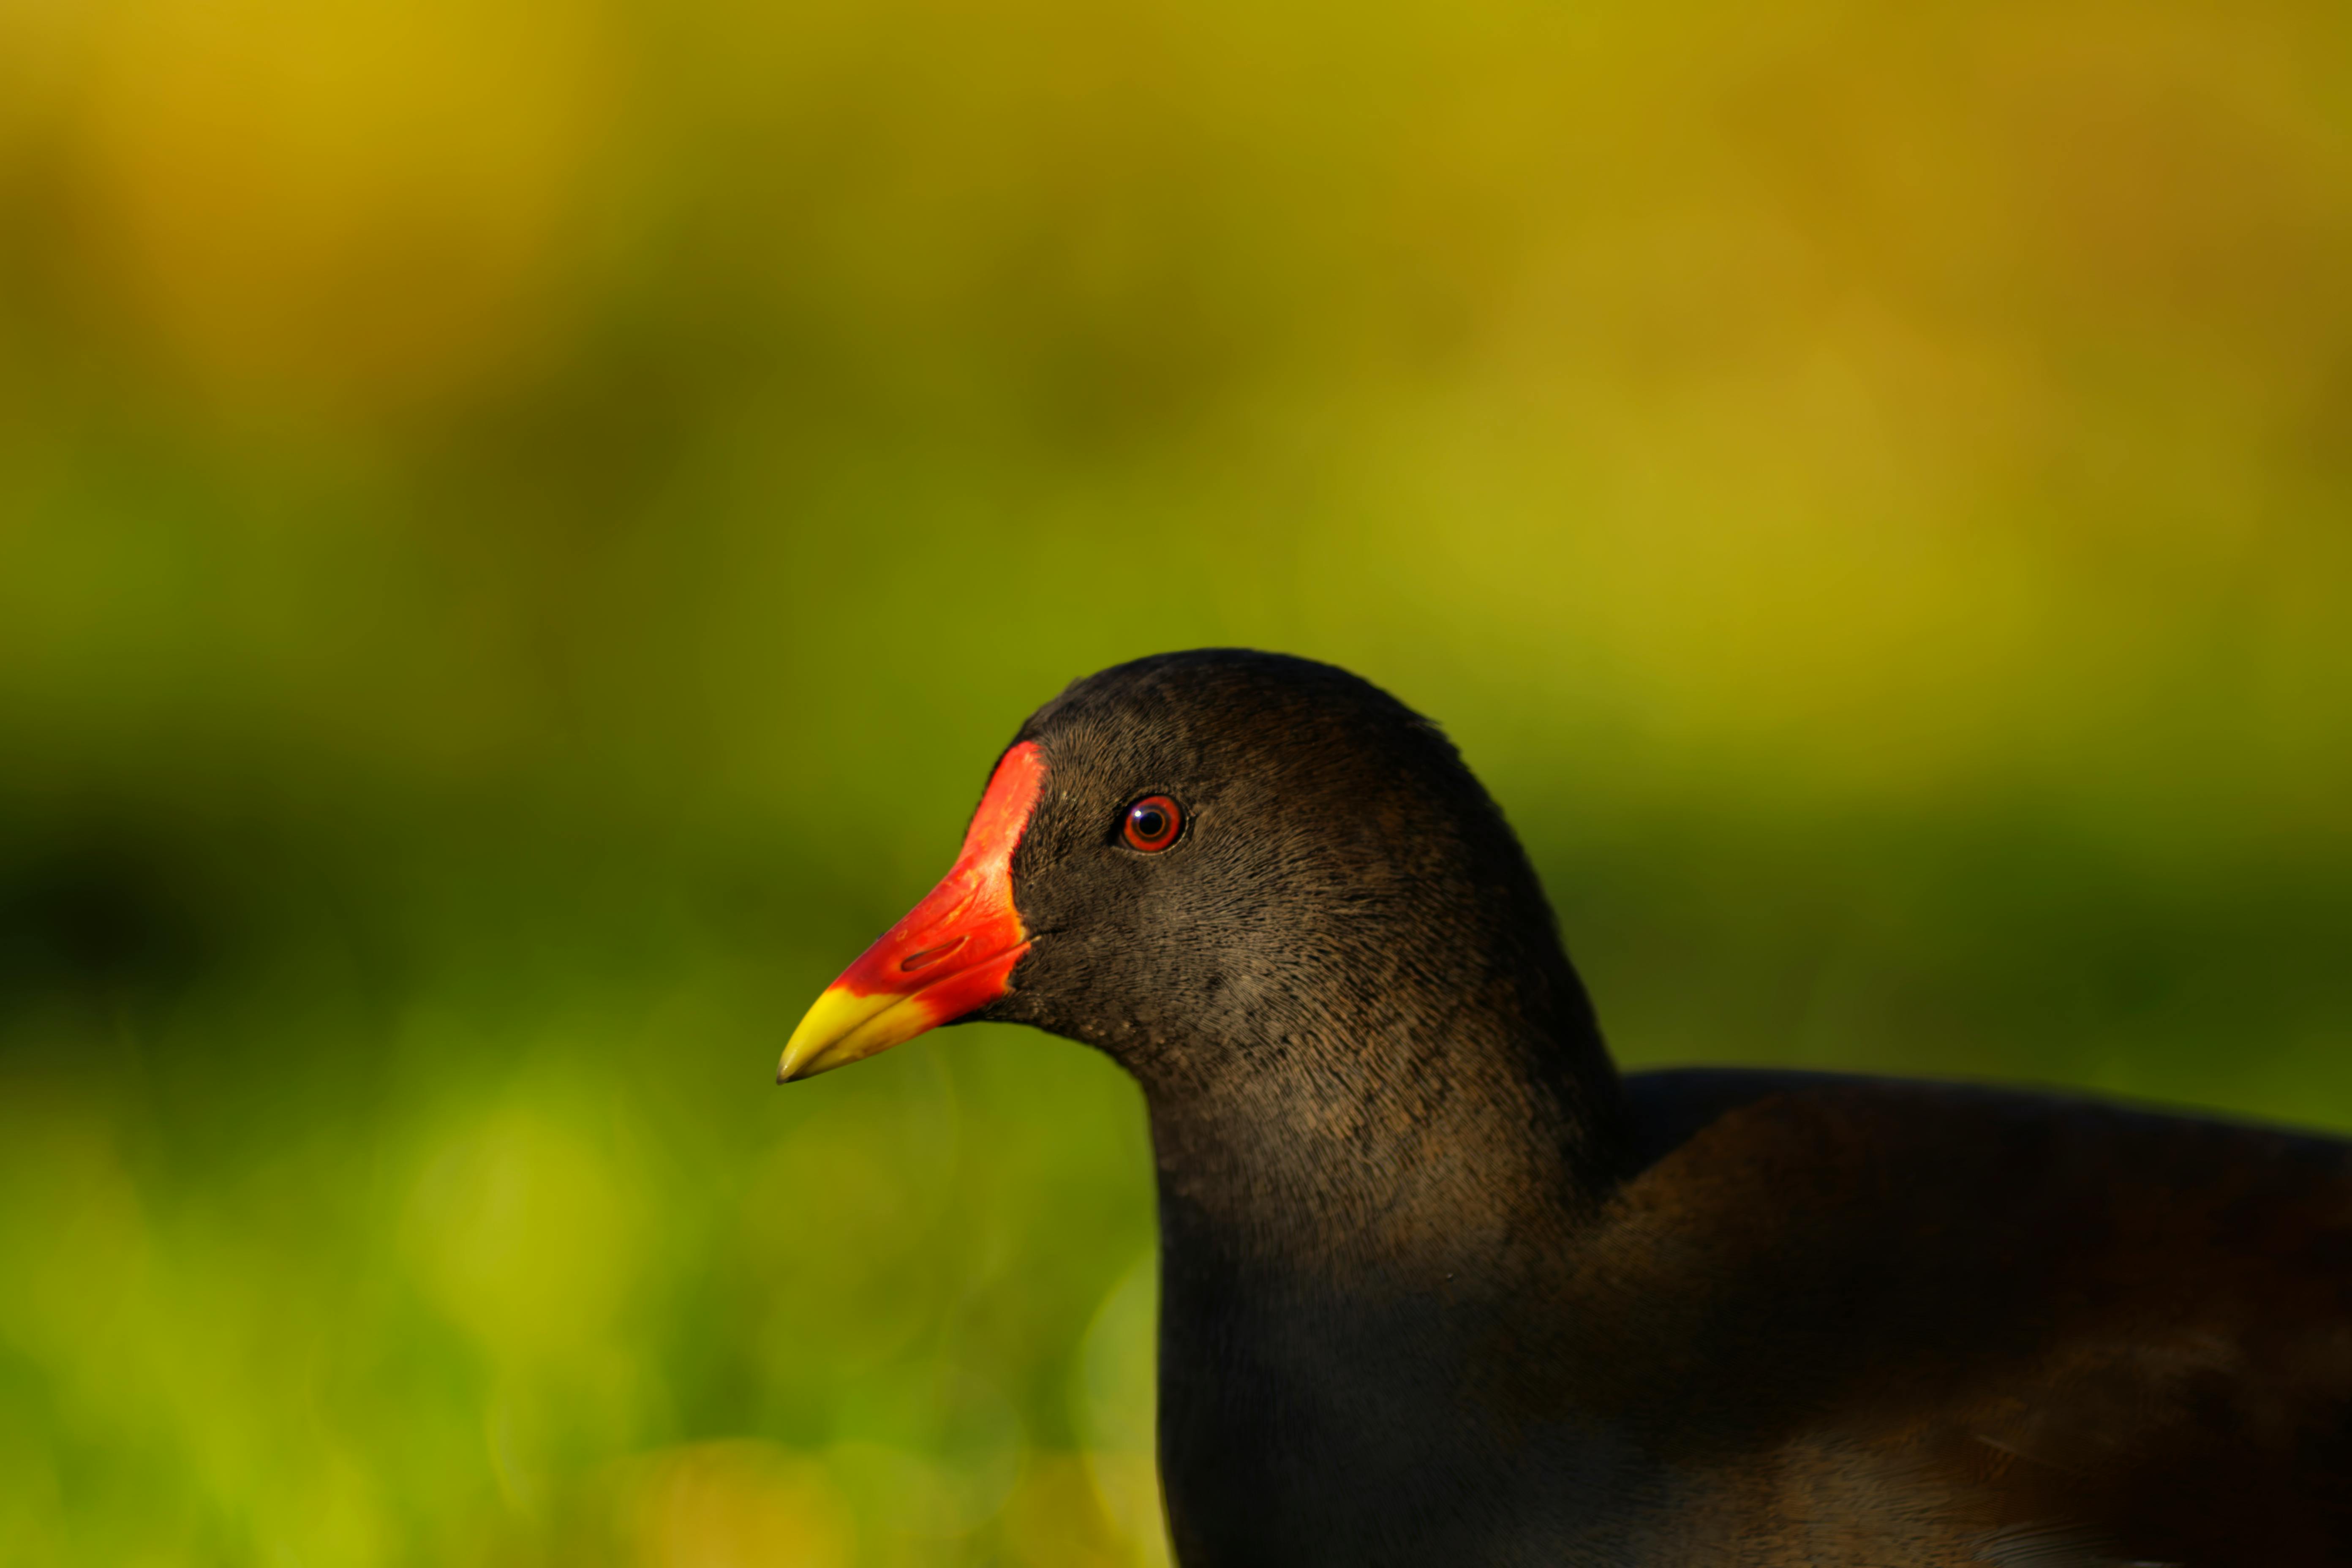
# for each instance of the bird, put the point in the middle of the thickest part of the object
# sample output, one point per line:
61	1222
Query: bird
1440	1285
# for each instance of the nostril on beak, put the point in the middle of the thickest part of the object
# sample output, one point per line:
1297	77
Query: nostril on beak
928	956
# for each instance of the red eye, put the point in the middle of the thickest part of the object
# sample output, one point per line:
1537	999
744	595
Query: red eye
1152	823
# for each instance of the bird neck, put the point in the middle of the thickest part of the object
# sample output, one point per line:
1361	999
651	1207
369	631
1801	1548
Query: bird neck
1400	1141
1350	1228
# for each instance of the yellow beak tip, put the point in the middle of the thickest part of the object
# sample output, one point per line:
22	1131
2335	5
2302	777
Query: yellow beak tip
843	1026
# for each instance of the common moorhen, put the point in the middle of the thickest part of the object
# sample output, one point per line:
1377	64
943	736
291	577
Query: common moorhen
1439	1286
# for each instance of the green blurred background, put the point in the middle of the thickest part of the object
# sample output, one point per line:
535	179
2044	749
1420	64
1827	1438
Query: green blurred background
524	522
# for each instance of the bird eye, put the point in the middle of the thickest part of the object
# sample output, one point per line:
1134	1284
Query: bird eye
1152	823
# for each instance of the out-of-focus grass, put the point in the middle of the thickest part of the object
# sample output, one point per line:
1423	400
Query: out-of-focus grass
521	527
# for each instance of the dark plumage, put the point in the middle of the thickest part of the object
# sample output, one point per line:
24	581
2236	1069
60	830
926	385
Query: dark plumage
1439	1287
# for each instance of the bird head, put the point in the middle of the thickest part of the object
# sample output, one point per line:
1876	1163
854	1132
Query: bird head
1204	860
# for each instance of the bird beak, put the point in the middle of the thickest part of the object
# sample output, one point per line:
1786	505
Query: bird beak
954	952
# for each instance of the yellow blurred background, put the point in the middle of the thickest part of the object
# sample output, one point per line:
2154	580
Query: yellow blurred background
523	523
